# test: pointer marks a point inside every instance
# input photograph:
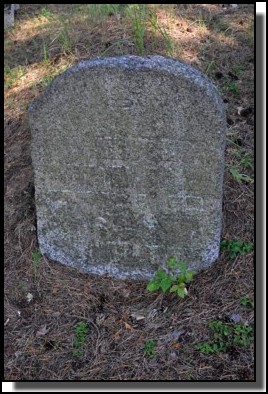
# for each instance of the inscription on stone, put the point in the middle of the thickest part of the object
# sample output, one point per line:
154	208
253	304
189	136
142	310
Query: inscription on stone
128	154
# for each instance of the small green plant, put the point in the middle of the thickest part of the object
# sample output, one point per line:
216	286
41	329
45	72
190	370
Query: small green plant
45	53
81	331
246	161
137	13
167	39
46	13
241	160
243	335
201	23
240	68
36	258
149	348
220	335
51	72
219	329
233	87
56	345
64	40
211	67
13	75
240	177
170	279
236	248
210	348
98	12
46	80
224	337
245	301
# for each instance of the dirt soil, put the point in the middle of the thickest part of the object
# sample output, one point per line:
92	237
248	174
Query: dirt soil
44	300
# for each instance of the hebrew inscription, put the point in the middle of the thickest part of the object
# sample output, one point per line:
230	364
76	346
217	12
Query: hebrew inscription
128	155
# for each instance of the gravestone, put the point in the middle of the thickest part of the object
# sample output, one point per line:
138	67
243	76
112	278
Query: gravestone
128	154
9	10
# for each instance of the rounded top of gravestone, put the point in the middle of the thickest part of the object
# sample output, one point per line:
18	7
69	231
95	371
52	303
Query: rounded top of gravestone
154	63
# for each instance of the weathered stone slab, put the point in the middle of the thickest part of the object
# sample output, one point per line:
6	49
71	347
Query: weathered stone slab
128	154
9	10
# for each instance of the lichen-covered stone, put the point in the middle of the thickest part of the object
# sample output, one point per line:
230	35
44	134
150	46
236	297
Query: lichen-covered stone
128	154
9	10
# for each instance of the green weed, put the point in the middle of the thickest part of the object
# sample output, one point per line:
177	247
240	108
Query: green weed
118	44
239	177
98	12
46	80
167	39
211	67
233	87
45	53
201	24
242	335
170	279
241	161
219	329
245	301
210	348
246	161
224	337
51	73
234	140
64	40
81	331
137	13
239	68
236	248
36	258
149	348
56	345
46	13
13	75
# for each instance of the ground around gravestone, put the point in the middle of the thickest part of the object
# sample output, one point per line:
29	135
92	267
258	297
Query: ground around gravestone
61	324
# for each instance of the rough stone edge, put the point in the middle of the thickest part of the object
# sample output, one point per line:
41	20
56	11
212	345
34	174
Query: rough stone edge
208	258
9	19
132	62
99	269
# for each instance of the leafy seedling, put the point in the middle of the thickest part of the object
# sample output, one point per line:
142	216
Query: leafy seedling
210	348
161	281
245	301
236	248
219	329
149	348
46	13
224	337
243	335
247	161
81	331
232	87
174	278
239	177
